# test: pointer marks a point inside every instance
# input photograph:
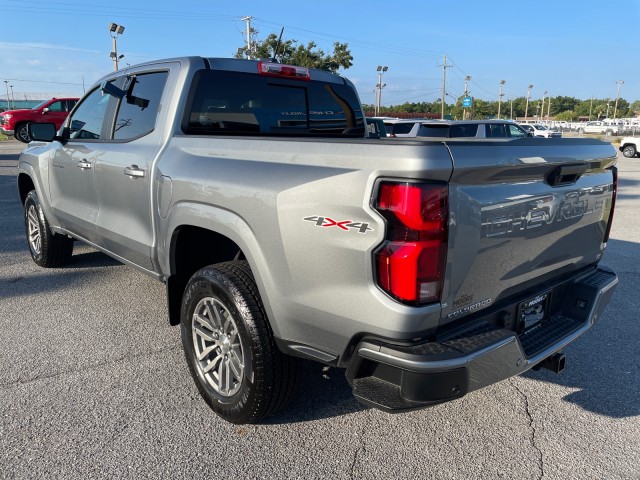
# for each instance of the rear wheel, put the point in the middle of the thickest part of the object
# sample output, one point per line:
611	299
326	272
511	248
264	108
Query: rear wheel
629	151
22	133
229	346
47	248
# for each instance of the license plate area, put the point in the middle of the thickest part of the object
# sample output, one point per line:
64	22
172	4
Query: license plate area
532	312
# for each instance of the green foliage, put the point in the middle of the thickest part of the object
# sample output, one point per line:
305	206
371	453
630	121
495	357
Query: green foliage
292	53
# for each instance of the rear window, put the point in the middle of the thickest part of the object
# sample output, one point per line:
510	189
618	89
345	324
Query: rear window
234	103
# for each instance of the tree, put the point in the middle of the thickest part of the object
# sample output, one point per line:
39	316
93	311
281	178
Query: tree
290	52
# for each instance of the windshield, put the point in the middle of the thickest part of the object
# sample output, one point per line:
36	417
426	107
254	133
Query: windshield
40	105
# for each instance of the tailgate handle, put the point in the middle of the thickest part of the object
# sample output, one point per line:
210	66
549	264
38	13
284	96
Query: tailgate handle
566	174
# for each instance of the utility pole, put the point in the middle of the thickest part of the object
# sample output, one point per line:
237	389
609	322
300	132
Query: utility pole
444	83
615	110
6	84
502	82
466	94
542	105
549	108
248	20
526	108
590	107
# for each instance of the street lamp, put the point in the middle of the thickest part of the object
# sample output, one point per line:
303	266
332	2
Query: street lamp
542	109
6	84
115	30
526	108
502	82
381	69
13	99
615	110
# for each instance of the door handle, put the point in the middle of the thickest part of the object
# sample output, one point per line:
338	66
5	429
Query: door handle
84	164
134	171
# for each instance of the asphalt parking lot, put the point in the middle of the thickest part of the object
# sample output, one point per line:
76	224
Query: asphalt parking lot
93	384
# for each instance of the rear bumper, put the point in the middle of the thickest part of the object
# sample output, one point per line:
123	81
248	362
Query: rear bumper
398	378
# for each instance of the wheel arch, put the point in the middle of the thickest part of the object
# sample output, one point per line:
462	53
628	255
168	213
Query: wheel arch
25	185
206	236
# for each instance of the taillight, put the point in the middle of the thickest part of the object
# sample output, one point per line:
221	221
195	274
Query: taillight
272	69
613	204
411	262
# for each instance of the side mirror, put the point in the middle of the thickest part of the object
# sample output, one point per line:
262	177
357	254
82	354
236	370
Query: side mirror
45	110
111	89
42	132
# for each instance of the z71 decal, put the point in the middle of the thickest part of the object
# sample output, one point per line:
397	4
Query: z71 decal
345	225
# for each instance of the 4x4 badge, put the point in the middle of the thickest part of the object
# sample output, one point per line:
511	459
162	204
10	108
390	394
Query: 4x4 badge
345	225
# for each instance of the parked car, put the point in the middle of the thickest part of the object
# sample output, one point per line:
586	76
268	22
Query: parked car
15	122
605	127
376	128
455	128
537	130
630	146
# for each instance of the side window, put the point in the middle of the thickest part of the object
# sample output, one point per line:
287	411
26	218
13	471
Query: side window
496	130
70	105
56	107
139	108
86	122
516	132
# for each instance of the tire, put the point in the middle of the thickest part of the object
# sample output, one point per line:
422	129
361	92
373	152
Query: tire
22	133
47	248
629	151
229	346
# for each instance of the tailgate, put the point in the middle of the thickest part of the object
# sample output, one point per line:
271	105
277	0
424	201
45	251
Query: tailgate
523	213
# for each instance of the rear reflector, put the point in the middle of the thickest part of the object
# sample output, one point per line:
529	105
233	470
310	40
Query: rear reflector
411	262
272	69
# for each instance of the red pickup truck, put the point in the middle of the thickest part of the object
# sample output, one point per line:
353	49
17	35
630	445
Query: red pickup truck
55	110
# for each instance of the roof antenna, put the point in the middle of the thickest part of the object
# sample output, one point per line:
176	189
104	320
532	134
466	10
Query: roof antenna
275	52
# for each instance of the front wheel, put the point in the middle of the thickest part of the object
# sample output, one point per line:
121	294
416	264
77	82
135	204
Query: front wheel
47	248
22	133
229	346
629	151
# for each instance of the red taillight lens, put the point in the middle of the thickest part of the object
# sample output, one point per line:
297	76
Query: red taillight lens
271	69
411	262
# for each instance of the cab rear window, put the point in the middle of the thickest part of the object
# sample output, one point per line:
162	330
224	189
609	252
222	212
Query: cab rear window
234	103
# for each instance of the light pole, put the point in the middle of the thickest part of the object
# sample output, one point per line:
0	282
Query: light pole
615	110
381	69
13	99
549	108
526	108
502	82
542	109
115	30
6	84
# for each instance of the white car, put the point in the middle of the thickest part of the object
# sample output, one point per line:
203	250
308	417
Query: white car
630	146
537	130
420	127
606	127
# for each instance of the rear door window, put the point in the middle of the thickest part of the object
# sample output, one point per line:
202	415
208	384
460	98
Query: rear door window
138	109
234	103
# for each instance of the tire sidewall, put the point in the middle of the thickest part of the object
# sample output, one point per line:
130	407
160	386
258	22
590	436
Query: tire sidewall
213	284
22	127
33	200
629	151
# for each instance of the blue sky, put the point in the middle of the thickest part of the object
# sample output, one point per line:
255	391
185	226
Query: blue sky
572	48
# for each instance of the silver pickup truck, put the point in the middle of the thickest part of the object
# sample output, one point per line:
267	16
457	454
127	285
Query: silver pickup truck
427	268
